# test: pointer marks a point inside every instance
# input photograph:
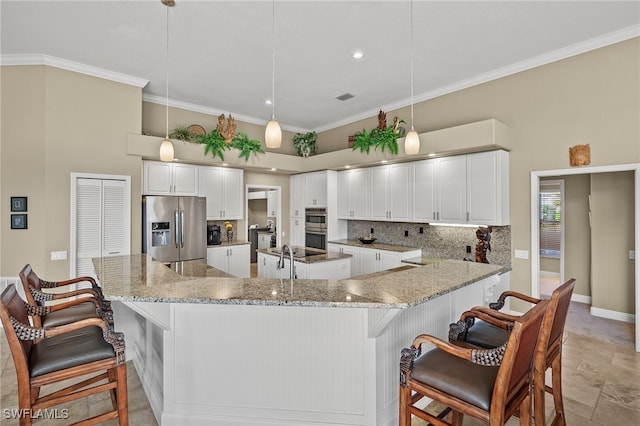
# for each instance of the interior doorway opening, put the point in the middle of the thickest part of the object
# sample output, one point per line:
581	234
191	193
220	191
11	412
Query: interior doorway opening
551	230
263	217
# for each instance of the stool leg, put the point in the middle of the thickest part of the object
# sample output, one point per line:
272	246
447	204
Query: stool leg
405	401
556	381
123	411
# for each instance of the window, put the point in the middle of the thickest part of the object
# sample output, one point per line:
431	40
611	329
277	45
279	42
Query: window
550	220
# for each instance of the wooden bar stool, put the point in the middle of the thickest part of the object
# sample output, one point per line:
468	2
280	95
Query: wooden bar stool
485	334
488	384
47	356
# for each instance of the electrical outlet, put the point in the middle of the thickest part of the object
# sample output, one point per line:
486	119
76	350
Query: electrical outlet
406	233
421	230
468	249
372	230
632	254
521	254
58	255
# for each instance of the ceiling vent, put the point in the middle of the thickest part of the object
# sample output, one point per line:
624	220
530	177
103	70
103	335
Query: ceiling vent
345	97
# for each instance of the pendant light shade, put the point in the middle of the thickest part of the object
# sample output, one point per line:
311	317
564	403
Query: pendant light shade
412	140
412	143
166	150
166	147
273	134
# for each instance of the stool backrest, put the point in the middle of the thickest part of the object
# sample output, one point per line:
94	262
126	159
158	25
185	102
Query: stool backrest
12	306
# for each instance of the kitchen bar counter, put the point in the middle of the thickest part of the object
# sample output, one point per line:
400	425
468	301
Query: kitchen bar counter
216	350
307	255
225	243
139	278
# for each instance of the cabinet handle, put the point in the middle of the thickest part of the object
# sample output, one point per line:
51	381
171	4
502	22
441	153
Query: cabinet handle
467	216
438	216
434	215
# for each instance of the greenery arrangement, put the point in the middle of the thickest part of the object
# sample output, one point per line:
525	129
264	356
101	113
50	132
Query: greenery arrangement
215	144
376	138
246	146
305	143
182	133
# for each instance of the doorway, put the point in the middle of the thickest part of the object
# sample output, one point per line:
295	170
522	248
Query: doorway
535	228
551	208
263	217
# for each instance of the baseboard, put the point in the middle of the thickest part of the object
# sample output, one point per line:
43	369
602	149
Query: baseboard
614	315
581	299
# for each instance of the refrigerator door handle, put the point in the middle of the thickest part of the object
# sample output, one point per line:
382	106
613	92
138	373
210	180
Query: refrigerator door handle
181	228
176	223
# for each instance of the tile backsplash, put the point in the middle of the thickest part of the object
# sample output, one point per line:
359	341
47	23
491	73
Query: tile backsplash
448	242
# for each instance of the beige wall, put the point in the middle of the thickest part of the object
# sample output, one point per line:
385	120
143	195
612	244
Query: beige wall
577	254
612	209
56	122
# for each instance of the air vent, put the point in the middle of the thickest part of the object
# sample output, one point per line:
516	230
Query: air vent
345	97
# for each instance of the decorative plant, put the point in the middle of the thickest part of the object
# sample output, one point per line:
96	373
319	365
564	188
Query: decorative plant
213	143
246	146
182	133
386	138
305	144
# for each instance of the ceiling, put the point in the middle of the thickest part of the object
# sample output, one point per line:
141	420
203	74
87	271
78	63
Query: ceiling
220	52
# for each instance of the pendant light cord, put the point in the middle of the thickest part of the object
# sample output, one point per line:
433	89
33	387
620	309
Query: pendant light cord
411	29
273	60
167	76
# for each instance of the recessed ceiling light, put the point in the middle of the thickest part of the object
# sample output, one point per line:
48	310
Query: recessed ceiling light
225	164
347	166
357	55
431	154
273	169
267	102
383	161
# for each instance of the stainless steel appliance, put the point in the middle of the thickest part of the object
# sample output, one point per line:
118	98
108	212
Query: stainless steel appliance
316	228
174	228
253	239
214	237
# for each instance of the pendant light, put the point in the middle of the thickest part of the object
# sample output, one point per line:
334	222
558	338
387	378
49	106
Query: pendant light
273	134
412	140
166	147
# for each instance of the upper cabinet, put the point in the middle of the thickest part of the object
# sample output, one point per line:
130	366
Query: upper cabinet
222	187
272	203
463	189
315	189
162	178
354	194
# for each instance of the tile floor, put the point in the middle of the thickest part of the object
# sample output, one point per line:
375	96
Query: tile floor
601	379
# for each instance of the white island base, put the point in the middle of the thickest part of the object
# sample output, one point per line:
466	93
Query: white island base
217	364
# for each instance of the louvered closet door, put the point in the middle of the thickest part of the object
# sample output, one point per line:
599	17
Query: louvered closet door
102	223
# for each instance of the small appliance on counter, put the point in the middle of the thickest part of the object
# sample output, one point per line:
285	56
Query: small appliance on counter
214	237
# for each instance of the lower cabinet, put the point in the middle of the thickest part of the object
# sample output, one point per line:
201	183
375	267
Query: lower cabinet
234	260
330	270
369	260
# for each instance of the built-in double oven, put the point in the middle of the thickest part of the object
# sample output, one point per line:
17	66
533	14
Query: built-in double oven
316	228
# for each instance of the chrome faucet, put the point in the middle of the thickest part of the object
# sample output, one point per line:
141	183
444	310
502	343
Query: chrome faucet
281	261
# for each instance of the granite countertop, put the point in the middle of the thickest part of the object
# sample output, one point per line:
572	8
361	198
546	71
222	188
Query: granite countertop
227	244
421	260
315	255
379	246
139	278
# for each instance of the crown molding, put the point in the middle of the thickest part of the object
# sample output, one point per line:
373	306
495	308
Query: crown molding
52	61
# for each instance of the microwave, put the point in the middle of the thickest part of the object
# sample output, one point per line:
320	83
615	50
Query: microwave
315	216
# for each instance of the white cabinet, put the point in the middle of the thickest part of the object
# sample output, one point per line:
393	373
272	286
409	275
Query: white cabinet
297	232
315	189
330	270
272	203
297	199
488	188
223	189
264	240
390	192
353	251
425	201
233	260
369	260
162	178
268	266
354	194
452	189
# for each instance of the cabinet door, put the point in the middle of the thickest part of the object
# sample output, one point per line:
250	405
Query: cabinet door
239	259
267	266
272	203
367	261
157	178
488	188
297	198
217	258
452	189
388	260
233	194
359	193
301	270
399	193
316	189
379	190
354	252
211	186
185	179
344	194
297	237
424	191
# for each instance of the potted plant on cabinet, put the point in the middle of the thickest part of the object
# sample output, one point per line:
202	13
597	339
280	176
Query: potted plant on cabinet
246	146
305	143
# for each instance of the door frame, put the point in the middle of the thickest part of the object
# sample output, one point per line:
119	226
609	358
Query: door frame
278	219
535	232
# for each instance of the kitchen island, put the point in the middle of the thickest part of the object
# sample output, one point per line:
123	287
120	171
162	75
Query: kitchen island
308	263
219	350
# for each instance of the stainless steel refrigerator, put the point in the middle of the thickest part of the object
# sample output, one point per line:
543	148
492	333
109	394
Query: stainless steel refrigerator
174	228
